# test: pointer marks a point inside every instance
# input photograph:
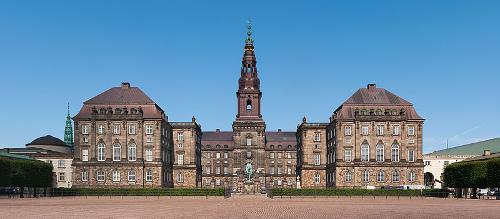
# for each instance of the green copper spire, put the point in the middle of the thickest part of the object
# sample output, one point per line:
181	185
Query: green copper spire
68	130
249	32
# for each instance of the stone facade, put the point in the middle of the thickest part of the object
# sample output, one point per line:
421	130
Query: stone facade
312	154
122	142
187	154
375	140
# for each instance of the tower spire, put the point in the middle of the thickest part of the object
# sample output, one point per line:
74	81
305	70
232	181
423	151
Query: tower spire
68	130
249	39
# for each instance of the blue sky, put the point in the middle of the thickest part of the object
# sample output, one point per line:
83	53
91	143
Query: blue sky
443	56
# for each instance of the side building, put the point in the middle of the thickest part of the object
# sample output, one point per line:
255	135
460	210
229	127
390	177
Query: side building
374	140
312	154
187	154
122	139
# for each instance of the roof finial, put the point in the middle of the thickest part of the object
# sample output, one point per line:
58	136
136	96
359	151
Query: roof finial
249	32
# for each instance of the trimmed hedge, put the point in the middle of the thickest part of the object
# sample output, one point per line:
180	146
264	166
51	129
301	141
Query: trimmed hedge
493	173
344	192
136	192
25	173
473	174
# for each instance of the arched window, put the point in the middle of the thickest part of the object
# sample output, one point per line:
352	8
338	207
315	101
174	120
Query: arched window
380	152
395	176
348	176
365	152
411	176
380	176
366	176
317	178
101	148
132	152
116	176
249	105
116	152
131	176
395	152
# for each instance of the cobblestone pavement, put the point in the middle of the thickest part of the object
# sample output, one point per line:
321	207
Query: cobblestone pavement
246	207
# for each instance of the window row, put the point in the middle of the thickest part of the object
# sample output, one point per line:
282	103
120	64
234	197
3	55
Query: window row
116	128
365	130
116	176
380	176
379	154
117	153
279	155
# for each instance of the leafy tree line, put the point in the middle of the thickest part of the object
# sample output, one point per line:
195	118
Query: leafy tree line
473	174
25	173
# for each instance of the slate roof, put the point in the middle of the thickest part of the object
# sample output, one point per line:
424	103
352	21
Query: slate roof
122	97
476	148
47	140
14	156
380	98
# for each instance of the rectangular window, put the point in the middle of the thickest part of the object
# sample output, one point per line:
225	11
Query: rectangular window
271	155
226	155
149	154
364	130
289	170
317	159
131	176
226	170
180	145
149	139
101	156
61	176
217	155
280	170
116	129
85	140
348	155
116	176
411	130
411	156
149	129
289	155
380	130
85	129
348	130
61	164
249	142
180	178
180	159
427	163
217	182
85	176
317	136
131	129
280	155
209	155
149	176
271	170
217	170
180	136
395	130
100	176
85	154
100	129
208	169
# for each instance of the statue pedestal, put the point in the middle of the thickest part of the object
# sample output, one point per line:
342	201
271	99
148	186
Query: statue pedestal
249	187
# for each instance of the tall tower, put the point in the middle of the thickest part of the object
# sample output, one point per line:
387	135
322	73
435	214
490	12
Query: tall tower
249	94
249	127
68	130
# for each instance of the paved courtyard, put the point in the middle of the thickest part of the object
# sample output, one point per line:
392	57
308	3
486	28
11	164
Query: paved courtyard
246	207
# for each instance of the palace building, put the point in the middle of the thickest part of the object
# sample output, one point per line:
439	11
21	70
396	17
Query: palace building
124	139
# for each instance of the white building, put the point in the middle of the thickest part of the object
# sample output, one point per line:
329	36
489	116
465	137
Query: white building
436	161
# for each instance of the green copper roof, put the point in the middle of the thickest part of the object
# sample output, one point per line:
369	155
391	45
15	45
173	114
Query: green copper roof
68	130
14	156
471	149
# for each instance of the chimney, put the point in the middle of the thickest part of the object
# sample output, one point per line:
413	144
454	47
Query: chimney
125	85
217	130
486	152
279	130
371	86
